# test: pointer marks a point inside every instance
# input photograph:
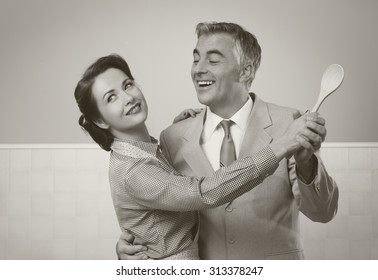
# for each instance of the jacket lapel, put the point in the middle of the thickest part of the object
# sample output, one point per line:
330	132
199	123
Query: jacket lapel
192	151
256	137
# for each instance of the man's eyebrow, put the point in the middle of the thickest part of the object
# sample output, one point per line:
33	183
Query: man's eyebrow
215	51
209	52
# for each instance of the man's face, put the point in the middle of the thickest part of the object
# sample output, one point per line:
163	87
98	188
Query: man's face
215	71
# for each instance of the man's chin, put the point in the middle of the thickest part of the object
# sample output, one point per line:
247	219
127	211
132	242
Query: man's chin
204	100
204	97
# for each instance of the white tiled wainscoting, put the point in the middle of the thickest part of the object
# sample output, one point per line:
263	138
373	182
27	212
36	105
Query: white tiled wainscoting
55	203
353	233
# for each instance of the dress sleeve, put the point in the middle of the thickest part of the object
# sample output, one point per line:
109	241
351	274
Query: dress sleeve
153	186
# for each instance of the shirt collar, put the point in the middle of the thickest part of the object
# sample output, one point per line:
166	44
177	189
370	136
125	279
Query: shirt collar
240	118
135	149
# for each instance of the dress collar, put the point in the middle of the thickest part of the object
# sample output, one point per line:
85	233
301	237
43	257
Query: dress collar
135	149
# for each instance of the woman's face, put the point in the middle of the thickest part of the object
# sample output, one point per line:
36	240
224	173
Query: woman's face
121	103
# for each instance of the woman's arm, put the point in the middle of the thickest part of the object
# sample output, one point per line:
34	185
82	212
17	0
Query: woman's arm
153	186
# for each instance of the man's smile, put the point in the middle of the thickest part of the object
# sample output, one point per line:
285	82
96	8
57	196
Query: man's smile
205	83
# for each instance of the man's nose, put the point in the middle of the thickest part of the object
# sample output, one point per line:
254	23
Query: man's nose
200	67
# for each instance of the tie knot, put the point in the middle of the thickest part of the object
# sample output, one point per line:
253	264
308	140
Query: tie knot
226	124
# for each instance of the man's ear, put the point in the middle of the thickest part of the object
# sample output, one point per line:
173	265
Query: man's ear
246	73
101	124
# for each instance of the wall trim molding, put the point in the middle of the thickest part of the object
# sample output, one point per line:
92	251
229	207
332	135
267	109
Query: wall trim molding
49	146
350	145
95	146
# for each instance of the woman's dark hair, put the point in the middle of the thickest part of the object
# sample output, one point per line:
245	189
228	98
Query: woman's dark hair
86	102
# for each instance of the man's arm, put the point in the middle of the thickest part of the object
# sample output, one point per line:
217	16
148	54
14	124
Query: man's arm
315	191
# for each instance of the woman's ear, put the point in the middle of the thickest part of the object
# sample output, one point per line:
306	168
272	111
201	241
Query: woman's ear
101	124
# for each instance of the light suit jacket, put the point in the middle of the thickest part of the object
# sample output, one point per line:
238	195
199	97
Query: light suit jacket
263	223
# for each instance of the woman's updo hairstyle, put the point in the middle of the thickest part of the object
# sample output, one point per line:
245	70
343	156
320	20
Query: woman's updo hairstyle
86	102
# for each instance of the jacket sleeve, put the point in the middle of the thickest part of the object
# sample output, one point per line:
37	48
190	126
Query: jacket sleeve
319	199
164	149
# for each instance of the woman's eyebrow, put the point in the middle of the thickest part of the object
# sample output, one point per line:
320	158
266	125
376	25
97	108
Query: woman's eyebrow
126	81
106	93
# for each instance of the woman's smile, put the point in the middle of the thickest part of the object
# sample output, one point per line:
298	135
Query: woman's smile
134	109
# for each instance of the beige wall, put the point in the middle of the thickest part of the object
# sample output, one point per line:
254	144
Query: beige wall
46	45
55	204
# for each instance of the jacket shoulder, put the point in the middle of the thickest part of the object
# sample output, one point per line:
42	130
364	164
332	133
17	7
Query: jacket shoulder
280	113
178	130
179	127
172	138
281	117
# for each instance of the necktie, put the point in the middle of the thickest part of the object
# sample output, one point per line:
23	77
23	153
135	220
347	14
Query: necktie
227	153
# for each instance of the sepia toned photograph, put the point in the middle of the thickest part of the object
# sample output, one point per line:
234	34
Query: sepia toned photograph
188	130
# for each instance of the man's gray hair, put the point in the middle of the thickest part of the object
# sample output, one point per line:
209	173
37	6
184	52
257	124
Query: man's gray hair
247	49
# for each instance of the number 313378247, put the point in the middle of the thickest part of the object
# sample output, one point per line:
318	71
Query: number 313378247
235	270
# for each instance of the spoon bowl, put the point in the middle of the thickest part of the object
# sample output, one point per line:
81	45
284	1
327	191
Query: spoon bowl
332	78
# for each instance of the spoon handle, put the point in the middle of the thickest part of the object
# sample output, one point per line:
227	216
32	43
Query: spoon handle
318	103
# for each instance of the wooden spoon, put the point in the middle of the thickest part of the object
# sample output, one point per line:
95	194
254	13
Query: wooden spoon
332	78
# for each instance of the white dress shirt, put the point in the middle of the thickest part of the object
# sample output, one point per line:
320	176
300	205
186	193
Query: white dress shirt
212	133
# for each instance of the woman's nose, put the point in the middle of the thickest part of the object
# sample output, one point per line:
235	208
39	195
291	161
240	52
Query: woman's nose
127	98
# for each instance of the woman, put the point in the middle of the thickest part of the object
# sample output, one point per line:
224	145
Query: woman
153	201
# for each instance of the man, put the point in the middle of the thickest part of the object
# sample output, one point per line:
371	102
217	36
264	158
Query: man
263	223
